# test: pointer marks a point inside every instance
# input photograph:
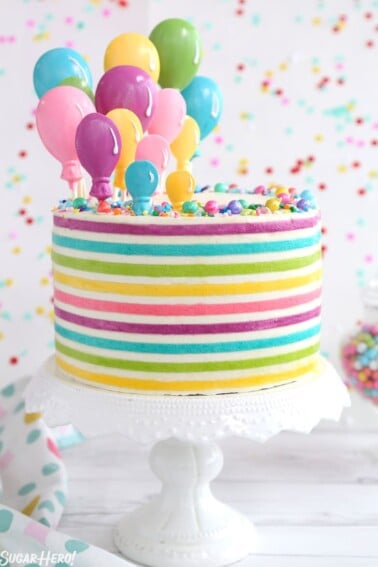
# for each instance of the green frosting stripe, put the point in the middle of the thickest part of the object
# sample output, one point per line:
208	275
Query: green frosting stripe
182	270
186	367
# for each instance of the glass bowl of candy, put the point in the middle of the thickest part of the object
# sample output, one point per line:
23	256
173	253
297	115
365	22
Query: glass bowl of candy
359	352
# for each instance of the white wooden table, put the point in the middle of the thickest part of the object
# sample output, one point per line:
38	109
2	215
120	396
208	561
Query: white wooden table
313	499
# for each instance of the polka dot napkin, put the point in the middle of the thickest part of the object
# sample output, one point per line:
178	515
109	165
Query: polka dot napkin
26	542
34	488
32	473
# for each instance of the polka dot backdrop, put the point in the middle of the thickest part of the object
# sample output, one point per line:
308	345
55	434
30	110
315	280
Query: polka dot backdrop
300	109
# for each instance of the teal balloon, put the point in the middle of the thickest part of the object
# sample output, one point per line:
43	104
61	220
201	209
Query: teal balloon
180	52
141	178
57	65
204	103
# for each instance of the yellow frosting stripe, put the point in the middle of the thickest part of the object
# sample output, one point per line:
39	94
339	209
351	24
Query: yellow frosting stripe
179	290
185	385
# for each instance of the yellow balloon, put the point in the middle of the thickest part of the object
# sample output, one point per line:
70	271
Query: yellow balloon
180	186
131	132
133	49
186	143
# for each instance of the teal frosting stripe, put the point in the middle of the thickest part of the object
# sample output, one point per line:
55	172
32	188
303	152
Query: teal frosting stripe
194	348
209	249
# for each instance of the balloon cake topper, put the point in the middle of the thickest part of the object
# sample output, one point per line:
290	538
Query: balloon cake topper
149	105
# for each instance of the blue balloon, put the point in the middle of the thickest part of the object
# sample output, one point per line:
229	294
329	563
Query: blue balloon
141	178
59	64
204	103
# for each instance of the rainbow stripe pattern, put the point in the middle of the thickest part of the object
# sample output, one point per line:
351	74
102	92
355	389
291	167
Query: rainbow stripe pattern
187	305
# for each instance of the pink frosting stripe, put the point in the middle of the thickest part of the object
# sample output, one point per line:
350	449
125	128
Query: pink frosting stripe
184	310
185	329
194	229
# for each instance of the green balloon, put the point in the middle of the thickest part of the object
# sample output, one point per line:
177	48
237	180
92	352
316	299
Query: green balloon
80	84
180	51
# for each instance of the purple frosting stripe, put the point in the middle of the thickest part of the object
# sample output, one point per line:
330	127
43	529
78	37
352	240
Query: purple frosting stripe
192	329
208	229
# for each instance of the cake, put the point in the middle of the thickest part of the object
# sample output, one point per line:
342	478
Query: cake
217	291
187	304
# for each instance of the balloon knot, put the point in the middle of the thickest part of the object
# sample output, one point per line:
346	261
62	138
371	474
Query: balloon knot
71	172
101	188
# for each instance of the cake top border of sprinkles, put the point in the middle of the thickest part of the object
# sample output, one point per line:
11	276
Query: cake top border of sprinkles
208	203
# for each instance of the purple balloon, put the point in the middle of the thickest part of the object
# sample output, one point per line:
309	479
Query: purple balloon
98	146
127	87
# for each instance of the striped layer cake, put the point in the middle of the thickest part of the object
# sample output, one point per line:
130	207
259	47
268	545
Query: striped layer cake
187	305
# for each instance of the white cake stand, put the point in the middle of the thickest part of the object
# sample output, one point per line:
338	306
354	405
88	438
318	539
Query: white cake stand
184	525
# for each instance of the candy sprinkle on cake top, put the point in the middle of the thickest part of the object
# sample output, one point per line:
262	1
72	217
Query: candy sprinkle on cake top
229	201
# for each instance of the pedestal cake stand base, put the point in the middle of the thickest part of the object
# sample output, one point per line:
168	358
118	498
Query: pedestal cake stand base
185	525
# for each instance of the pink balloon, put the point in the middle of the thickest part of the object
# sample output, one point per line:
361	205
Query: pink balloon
98	144
58	115
169	114
127	87
154	148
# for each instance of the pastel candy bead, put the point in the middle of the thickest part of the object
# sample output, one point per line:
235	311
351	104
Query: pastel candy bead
211	207
79	203
307	194
360	361
262	211
281	190
259	190
235	207
350	349
284	198
220	188
303	205
273	204
189	207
